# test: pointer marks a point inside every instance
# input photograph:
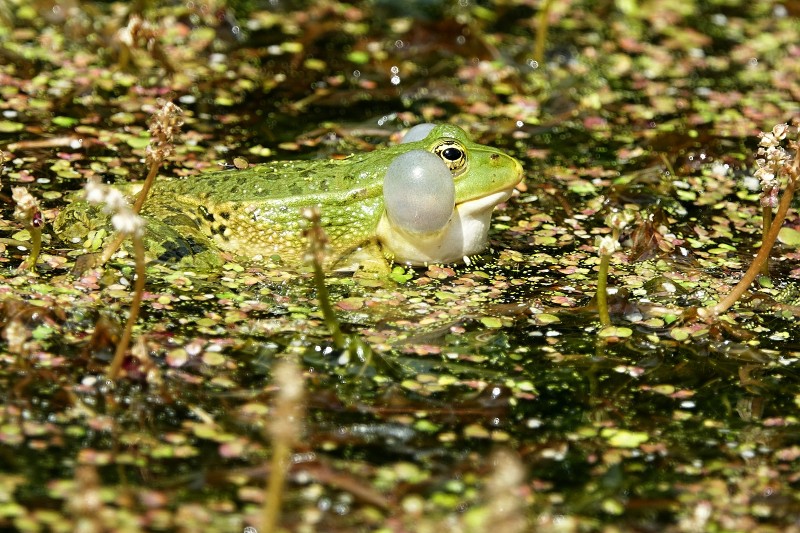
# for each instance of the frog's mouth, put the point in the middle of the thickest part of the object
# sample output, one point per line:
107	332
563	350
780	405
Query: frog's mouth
465	234
484	202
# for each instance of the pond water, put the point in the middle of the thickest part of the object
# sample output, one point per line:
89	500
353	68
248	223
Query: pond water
486	395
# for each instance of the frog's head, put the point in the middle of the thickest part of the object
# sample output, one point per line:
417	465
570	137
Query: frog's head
439	194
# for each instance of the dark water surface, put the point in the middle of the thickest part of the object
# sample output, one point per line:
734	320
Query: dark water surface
490	401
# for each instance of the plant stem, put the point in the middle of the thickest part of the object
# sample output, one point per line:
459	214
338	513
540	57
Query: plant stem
36	241
763	253
112	247
766	222
136	302
325	306
284	426
281	453
36	248
542	27
148	183
316	248
602	291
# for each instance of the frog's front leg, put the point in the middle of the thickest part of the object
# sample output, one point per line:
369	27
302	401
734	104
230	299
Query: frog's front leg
366	261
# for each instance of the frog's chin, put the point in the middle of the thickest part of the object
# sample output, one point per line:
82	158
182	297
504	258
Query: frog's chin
465	234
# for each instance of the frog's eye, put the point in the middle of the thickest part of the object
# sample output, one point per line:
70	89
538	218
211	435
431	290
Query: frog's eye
418	192
417	133
453	155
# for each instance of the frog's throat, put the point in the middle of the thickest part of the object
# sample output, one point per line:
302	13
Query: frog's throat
465	234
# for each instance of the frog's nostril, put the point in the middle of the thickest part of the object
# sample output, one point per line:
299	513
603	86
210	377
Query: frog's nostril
494	157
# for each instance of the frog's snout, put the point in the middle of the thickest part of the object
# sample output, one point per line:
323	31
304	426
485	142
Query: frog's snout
518	168
498	160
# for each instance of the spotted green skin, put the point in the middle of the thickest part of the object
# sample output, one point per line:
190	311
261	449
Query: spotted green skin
255	213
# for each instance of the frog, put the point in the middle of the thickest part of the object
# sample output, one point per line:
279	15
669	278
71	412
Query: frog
426	200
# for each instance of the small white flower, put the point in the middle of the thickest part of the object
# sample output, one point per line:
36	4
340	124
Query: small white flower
98	193
778	156
115	201
128	222
607	245
94	191
773	139
766	177
780	131
619	219
26	209
23	199
127	34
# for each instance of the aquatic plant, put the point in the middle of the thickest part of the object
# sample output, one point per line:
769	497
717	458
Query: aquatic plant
28	213
606	246
315	256
139	34
284	428
505	504
86	503
542	28
164	125
776	162
351	345
128	225
769	168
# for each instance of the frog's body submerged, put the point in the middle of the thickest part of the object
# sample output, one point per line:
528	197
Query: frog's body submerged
255	212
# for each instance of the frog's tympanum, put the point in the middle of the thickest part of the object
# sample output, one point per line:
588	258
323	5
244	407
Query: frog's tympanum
426	200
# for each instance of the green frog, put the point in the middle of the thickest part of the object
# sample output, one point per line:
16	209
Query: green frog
426	200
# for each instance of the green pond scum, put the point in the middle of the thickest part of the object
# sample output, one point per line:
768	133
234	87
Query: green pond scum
486	395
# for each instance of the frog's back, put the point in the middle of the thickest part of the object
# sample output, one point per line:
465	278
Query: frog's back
258	209
282	181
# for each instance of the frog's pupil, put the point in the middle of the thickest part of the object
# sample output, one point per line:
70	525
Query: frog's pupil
452	154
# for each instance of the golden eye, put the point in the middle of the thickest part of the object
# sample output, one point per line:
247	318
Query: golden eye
453	155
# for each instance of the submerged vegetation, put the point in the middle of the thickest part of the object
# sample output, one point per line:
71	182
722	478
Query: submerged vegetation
542	386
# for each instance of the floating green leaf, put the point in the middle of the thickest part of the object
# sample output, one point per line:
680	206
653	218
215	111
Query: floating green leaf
65	122
8	126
